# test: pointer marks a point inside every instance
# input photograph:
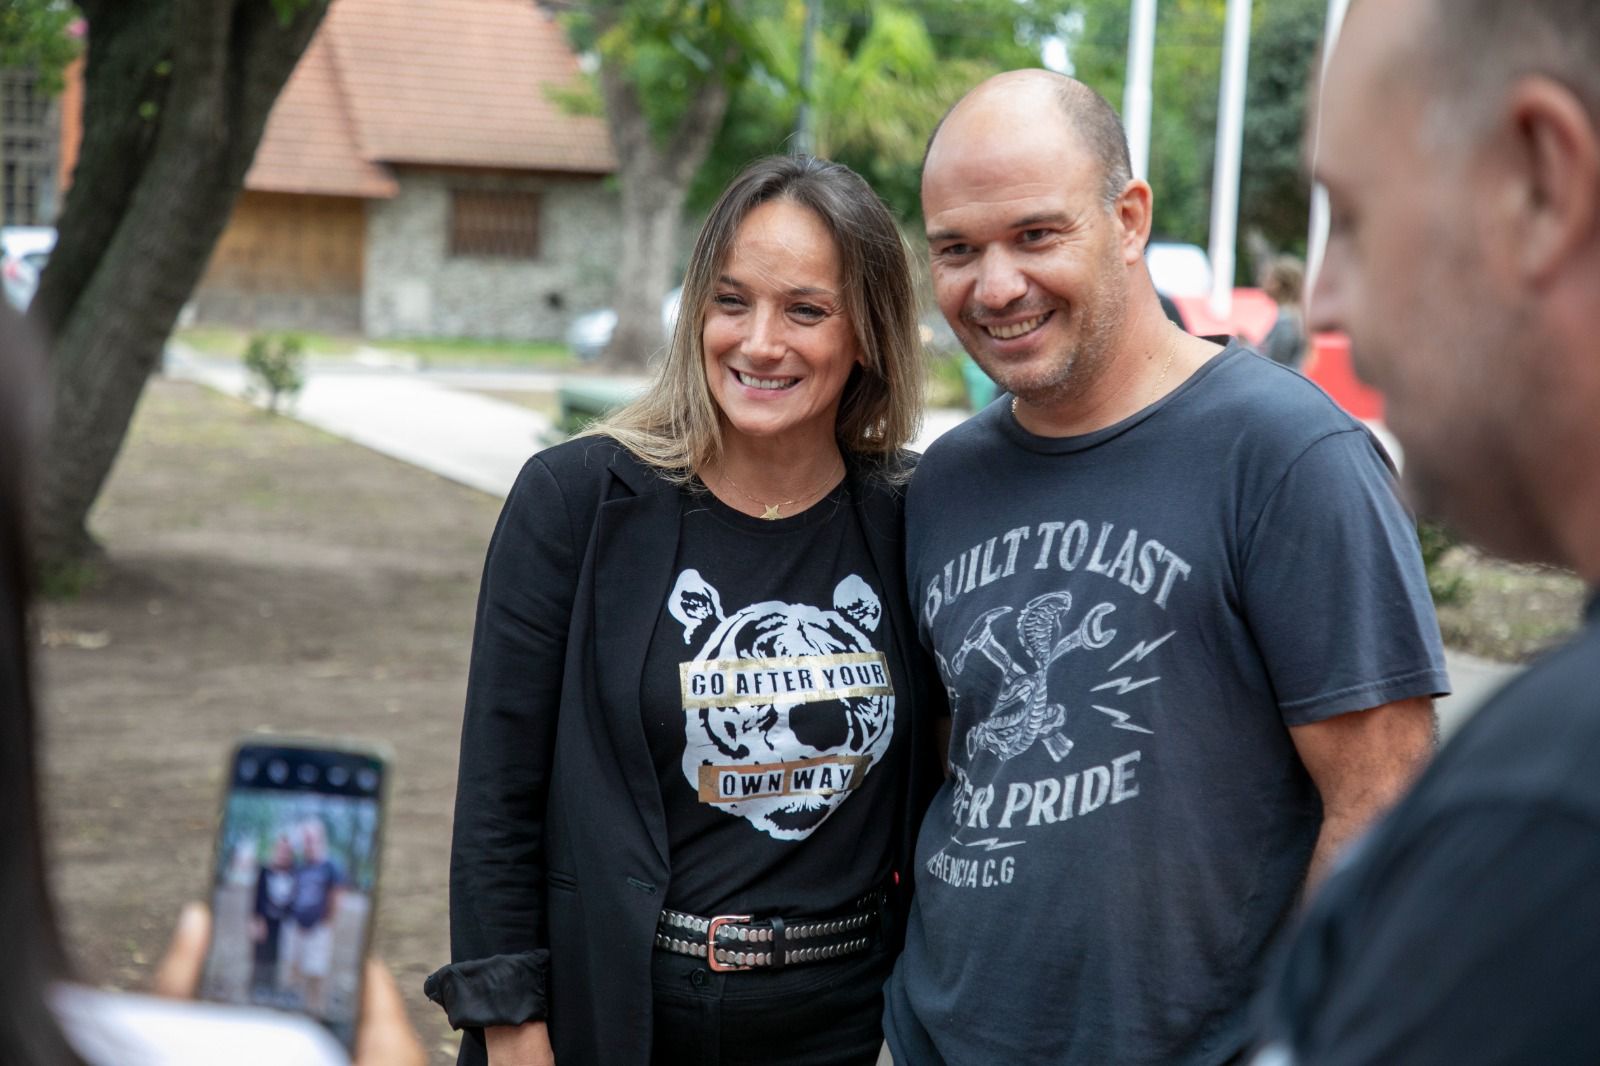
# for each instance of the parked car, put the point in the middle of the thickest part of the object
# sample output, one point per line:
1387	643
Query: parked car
591	331
24	250
1179	269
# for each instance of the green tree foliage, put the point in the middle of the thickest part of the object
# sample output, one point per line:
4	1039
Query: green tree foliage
1275	187
884	74
666	70
36	35
1274	192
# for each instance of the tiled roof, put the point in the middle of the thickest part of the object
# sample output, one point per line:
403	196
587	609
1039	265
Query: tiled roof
434	82
310	143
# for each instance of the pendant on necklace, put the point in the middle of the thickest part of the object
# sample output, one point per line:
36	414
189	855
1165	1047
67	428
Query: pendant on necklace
771	514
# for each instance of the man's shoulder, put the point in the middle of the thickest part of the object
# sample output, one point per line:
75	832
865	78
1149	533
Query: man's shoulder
1537	740
1270	402
970	442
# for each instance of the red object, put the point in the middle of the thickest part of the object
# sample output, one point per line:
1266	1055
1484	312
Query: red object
1329	366
1250	318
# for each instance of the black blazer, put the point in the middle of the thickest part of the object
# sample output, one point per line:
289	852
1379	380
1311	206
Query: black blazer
559	862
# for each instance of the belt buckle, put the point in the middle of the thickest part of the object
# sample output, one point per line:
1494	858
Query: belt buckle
711	943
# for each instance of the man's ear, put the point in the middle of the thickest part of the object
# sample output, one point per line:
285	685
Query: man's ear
1133	211
1556	166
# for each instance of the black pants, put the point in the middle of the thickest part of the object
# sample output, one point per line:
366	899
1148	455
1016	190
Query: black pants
815	1014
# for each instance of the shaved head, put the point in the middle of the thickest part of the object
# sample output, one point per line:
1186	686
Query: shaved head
1462	258
1557	38
1088	114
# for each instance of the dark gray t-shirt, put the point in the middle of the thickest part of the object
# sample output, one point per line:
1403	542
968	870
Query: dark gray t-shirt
1127	623
1466	928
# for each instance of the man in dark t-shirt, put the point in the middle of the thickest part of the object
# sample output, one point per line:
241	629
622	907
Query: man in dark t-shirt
317	880
1464	262
1179	612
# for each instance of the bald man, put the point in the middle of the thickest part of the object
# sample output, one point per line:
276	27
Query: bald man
1464	262
1179	611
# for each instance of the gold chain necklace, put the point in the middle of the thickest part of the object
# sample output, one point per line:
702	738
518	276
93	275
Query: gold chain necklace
1155	393
771	511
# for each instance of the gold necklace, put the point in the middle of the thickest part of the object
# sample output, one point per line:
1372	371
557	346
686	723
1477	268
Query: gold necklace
770	511
1155	393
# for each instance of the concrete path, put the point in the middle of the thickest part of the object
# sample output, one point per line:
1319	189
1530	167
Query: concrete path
433	419
1474	680
457	434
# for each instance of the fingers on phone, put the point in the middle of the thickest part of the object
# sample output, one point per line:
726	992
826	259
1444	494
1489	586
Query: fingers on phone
178	973
386	1037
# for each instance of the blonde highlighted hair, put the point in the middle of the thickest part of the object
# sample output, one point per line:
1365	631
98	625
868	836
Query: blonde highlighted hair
675	425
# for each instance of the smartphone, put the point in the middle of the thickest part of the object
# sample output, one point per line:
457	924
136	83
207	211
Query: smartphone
295	878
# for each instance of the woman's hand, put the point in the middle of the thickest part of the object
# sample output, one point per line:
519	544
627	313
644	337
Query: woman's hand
385	1038
527	1044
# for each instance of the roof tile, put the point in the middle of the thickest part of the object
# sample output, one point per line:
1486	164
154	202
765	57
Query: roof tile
441	82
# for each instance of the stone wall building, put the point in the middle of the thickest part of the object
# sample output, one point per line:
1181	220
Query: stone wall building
418	178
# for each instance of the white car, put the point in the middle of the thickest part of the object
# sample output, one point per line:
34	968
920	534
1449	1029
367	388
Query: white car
24	250
1179	269
591	332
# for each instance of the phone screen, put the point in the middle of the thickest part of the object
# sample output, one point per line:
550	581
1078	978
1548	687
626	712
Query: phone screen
296	866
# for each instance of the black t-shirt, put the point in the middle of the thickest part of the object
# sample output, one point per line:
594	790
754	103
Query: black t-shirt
1466	928
770	712
313	887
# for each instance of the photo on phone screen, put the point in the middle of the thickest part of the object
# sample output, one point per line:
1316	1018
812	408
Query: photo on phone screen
295	872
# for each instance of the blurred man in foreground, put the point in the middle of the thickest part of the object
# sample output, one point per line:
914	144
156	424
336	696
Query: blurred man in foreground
1460	143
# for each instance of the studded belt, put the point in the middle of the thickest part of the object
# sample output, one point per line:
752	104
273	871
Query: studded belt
739	942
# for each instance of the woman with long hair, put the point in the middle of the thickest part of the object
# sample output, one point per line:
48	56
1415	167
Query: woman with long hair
694	750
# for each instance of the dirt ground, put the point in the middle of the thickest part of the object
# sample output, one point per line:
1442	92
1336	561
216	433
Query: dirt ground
260	575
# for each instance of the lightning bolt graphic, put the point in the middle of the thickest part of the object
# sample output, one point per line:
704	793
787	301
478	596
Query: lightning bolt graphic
1122	720
990	843
1140	650
1125	684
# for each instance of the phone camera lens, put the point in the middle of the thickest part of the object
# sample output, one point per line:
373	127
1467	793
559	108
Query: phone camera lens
367	779
278	770
248	768
307	773
338	776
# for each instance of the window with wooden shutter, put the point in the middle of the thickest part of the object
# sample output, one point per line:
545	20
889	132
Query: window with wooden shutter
502	225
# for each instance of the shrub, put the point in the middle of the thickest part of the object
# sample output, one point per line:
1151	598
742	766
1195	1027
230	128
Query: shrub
1437	542
275	361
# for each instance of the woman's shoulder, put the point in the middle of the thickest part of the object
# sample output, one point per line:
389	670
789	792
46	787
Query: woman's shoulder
580	457
583	466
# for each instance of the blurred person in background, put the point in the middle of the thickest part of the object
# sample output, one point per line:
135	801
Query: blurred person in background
1285	342
46	1019
1459	141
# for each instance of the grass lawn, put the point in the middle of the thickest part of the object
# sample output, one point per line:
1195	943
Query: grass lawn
229	342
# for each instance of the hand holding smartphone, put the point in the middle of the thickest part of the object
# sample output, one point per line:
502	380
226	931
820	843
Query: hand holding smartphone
295	880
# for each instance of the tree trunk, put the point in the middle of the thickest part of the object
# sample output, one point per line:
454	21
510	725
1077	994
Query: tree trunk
655	179
177	93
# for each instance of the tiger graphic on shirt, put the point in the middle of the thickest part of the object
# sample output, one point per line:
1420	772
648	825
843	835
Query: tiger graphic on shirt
787	706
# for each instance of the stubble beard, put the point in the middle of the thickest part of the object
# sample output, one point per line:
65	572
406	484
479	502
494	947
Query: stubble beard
1069	373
